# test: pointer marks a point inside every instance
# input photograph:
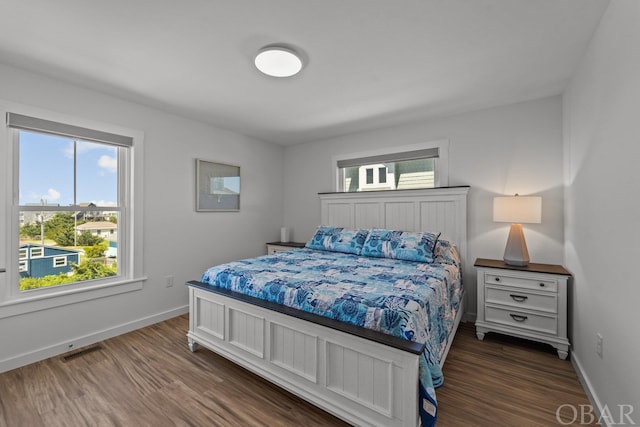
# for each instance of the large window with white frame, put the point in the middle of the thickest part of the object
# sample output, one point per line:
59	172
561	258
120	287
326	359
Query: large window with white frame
402	168
66	177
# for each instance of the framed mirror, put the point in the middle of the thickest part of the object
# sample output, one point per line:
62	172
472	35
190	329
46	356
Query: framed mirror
217	187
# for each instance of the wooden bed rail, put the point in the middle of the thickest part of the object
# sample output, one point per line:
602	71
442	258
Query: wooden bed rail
379	337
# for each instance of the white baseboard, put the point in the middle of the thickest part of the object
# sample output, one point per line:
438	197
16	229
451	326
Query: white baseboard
66	346
588	388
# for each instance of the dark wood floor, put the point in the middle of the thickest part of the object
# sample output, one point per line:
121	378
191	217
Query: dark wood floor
150	378
505	381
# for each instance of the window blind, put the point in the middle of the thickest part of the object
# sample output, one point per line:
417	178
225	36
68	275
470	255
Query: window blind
19	121
427	153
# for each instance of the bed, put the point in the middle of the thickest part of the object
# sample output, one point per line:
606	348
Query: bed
361	364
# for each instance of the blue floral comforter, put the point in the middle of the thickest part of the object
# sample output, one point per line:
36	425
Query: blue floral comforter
411	300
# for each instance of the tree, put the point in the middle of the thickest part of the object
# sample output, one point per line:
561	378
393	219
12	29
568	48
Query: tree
97	250
87	239
88	270
63	237
60	228
31	231
43	282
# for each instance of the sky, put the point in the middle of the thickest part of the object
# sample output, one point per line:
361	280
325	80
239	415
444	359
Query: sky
46	171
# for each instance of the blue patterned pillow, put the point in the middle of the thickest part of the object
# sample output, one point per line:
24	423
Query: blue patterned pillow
338	239
403	245
446	253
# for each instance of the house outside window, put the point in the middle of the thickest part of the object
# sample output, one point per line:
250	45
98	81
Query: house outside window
53	262
411	167
373	177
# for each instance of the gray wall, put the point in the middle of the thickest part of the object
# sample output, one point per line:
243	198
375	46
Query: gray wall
504	150
602	146
177	240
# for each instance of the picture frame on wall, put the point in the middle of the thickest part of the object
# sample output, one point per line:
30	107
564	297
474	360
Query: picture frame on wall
217	187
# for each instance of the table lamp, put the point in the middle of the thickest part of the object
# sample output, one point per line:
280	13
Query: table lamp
517	210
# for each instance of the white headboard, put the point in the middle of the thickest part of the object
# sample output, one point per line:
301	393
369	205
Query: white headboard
433	209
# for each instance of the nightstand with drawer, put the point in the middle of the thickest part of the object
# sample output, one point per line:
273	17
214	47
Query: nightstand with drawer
528	302
274	247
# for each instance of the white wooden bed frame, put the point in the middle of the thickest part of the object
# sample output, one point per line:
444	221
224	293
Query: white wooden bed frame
361	381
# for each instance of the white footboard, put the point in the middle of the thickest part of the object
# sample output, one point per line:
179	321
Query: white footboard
358	380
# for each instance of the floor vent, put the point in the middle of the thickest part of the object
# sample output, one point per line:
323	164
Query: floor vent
70	356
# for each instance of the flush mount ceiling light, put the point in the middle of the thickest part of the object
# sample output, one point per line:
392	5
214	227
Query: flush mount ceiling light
278	61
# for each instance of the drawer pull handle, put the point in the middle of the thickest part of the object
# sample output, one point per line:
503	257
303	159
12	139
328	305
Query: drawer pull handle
497	279
542	285
518	318
518	298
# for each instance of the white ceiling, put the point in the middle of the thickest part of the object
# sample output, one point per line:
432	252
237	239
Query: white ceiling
371	63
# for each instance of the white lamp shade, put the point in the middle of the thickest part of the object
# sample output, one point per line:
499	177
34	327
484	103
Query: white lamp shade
517	209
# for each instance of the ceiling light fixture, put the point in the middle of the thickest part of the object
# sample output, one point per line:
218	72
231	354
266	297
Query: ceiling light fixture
278	61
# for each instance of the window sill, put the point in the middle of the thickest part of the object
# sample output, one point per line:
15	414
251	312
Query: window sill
30	304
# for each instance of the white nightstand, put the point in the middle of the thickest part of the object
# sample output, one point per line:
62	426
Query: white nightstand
274	247
527	302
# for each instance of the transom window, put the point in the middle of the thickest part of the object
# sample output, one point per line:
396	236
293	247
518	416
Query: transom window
425	167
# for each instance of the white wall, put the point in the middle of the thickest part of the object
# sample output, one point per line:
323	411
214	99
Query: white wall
177	240
602	146
505	150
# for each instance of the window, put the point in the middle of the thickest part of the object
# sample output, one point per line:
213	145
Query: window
67	176
369	172
37	252
382	175
23	253
417	166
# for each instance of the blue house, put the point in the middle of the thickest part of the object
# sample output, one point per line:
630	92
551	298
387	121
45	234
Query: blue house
39	261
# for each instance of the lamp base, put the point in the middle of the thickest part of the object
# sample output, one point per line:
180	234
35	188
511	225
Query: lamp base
516	252
516	263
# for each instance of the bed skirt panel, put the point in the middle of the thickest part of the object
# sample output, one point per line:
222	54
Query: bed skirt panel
358	380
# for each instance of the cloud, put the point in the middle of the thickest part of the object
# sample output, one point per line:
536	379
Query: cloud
68	150
83	147
52	195
110	164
